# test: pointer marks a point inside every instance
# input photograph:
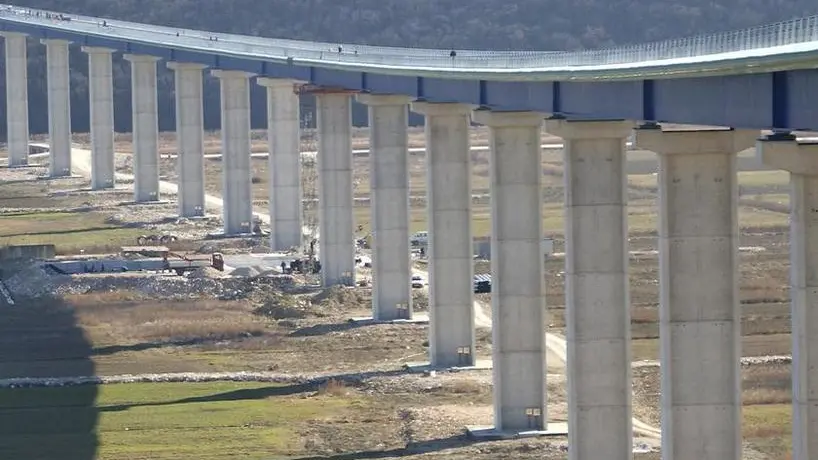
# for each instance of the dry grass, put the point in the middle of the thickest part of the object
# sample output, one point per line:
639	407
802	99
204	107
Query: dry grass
465	387
767	385
124	318
333	387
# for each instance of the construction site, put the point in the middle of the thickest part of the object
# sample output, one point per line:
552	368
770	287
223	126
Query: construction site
166	333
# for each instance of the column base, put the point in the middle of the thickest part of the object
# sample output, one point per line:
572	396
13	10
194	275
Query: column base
490	433
417	318
108	186
427	367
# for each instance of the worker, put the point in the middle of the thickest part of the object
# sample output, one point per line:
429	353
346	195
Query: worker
283	267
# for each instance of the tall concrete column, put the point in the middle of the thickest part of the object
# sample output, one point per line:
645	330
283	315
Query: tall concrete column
517	270
283	136
189	137
389	201
59	107
101	96
801	160
450	252
336	219
237	187
596	288
699	320
145	120
16	98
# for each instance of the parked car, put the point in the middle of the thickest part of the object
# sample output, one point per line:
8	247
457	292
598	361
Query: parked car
418	281
482	284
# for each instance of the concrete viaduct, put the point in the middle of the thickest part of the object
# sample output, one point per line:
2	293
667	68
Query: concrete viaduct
744	81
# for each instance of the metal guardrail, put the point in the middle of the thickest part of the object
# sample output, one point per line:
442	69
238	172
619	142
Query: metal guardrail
796	31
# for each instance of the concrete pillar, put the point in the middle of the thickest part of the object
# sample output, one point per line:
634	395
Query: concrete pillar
801	160
189	137
283	136
16	98
237	187
336	219
596	288
389	201
101	97
699	320
59	107
517	270
145	129
450	252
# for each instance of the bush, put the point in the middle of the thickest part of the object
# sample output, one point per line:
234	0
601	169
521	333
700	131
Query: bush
281	306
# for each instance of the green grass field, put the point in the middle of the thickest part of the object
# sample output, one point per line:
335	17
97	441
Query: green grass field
164	420
68	231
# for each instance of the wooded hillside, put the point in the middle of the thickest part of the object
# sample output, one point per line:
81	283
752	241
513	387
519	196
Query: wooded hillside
480	24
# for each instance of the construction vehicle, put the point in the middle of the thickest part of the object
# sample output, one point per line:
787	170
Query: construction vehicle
304	266
145	240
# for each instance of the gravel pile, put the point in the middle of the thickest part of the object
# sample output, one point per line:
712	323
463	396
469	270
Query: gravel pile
160	286
34	282
185	377
745	361
191	377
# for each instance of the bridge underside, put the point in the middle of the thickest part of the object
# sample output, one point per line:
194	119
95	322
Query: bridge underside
776	100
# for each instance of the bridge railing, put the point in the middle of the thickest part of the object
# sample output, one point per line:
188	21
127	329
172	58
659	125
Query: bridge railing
801	30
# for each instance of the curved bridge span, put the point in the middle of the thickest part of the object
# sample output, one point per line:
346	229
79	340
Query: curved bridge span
764	78
745	78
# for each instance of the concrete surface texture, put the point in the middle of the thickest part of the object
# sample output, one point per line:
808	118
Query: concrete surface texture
596	288
517	269
236	183
16	97
337	240
801	160
700	325
451	268
284	181
59	107
189	137
389	177
145	127
101	100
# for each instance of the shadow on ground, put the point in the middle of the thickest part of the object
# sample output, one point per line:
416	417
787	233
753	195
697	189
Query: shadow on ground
328	328
411	449
40	338
310	386
186	342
